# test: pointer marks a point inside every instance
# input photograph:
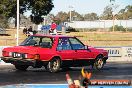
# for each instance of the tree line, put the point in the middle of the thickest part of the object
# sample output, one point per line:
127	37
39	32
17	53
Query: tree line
123	14
40	8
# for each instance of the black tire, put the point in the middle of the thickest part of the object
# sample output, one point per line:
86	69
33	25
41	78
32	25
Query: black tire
99	62
54	65
21	67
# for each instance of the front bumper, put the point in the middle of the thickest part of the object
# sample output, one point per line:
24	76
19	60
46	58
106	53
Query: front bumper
20	61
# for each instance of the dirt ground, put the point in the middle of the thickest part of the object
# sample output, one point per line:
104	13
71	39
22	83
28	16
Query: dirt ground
88	38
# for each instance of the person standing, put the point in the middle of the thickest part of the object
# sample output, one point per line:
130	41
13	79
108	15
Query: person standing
53	28
25	30
30	31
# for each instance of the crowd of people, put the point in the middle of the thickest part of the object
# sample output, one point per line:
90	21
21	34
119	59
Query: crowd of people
29	31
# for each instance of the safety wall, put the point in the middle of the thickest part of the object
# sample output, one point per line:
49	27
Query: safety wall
116	54
99	24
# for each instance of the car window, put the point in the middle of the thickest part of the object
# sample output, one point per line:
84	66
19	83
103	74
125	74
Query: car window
32	41
63	44
36	39
76	44
44	42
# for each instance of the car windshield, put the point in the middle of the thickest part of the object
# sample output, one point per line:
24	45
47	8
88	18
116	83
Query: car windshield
45	42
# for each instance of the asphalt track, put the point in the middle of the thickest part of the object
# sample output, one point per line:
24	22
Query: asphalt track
9	75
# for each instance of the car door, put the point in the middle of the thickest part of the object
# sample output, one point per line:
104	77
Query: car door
79	48
64	49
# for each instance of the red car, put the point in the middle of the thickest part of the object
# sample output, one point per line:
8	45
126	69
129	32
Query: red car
53	52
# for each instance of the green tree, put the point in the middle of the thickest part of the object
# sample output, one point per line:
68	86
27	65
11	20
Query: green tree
38	8
3	22
126	13
63	16
107	13
91	16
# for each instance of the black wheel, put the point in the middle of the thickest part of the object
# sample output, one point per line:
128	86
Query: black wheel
21	67
54	65
99	62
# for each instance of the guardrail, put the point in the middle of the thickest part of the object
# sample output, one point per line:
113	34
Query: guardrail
114	53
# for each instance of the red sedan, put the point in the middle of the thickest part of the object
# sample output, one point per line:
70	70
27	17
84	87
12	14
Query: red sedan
53	52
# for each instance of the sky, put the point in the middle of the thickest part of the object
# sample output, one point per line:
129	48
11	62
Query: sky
87	6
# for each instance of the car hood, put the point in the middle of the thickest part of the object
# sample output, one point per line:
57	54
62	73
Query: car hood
97	50
22	49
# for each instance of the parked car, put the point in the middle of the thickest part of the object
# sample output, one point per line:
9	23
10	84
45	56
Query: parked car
53	52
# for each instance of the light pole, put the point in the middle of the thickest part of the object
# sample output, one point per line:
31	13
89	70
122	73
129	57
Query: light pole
17	36
70	12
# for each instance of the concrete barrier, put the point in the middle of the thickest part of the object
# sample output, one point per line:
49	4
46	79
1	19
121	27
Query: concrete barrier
116	54
113	51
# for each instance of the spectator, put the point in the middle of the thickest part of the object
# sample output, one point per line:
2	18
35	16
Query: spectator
30	31
53	28
25	30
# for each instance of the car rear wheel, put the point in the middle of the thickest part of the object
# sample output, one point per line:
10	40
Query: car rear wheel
99	62
54	65
21	67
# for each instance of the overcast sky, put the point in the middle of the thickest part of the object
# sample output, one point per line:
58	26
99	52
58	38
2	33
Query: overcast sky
86	6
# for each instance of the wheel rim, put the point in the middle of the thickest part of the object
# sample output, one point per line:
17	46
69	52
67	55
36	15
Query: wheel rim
55	64
100	63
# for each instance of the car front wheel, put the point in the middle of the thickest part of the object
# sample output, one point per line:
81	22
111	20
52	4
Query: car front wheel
21	67
99	63
54	65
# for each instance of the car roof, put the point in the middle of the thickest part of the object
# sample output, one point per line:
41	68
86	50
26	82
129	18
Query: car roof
55	36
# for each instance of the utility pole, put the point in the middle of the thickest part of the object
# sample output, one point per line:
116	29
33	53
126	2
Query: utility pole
17	36
70	12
